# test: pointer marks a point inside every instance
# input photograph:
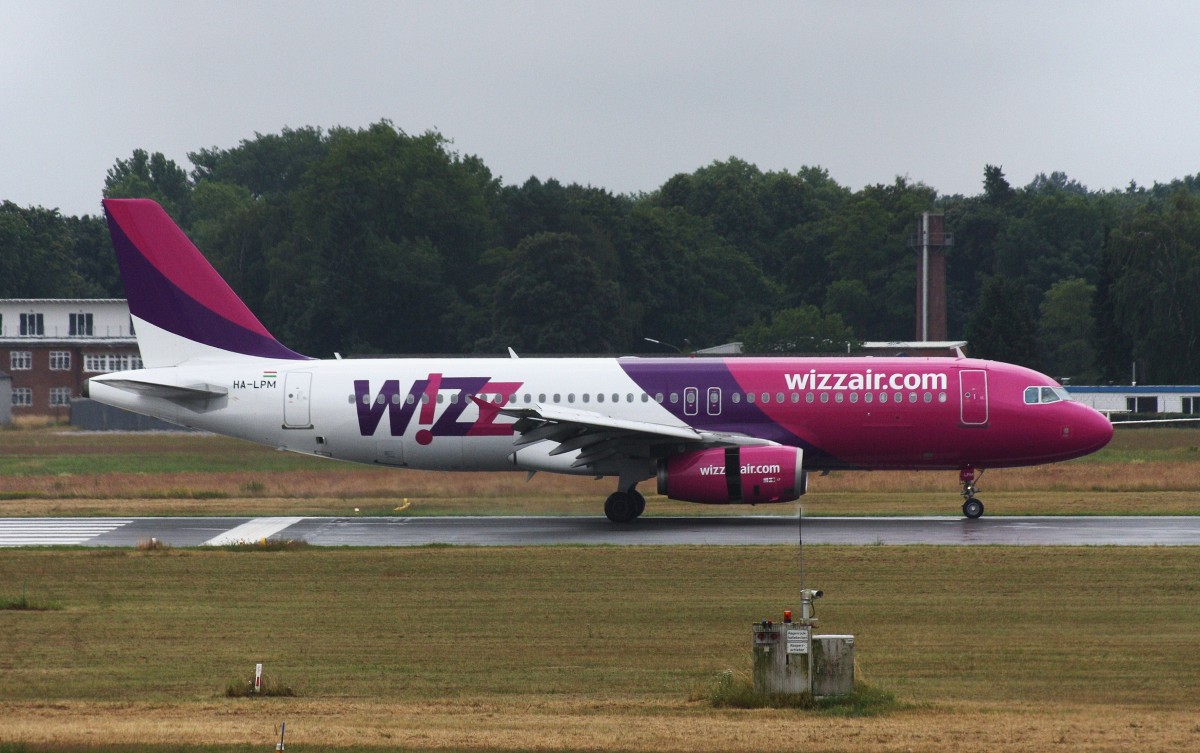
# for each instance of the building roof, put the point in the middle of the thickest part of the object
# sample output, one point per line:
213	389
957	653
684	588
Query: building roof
62	300
1139	389
28	340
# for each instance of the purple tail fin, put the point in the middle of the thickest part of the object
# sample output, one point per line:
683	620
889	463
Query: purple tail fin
182	306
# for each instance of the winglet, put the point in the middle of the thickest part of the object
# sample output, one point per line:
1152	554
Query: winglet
182	306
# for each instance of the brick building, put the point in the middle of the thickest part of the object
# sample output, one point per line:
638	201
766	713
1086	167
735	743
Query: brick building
50	346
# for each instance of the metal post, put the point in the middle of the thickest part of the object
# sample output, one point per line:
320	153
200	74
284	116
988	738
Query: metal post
925	277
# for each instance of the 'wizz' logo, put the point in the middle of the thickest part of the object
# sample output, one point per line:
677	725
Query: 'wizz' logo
423	396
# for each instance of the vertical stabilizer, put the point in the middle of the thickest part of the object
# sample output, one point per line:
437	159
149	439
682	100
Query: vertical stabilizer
181	307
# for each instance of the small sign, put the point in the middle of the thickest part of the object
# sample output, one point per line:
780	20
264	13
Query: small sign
797	641
257	678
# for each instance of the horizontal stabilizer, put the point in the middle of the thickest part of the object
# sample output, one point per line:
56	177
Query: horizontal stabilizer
171	392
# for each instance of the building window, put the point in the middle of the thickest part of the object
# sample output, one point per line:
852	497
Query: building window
20	360
102	363
81	325
1142	404
60	396
22	397
1191	406
60	360
32	325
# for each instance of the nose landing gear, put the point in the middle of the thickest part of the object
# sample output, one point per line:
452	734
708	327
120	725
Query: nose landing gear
972	508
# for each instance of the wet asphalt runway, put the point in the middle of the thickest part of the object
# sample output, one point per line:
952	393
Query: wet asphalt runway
652	531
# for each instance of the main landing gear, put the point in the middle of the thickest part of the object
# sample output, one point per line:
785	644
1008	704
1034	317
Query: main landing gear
972	508
623	507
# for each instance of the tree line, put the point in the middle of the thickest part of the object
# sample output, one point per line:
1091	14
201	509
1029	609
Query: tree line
372	240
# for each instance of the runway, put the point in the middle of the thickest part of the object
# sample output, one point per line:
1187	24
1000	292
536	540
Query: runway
650	531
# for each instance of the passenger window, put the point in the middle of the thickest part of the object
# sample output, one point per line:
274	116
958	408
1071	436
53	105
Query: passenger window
528	398
898	397
779	397
941	397
586	397
840	397
557	398
824	397
542	397
868	397
912	397
854	397
617	398
425	399
750	398
736	397
645	398
352	399
674	398
410	399
766	397
658	397
808	397
396	399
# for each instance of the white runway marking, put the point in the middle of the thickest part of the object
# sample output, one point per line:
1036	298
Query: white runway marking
55	531
253	530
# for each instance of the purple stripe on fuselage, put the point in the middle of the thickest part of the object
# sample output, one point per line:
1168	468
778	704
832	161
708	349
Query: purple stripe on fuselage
155	299
675	375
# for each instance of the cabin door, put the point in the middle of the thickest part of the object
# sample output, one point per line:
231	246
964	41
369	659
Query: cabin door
296	393
972	390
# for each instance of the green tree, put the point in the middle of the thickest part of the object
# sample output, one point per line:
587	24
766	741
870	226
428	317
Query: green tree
553	298
1155	268
1067	330
152	176
798	330
1002	326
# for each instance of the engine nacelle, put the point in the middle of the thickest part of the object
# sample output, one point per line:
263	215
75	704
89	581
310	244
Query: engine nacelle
734	475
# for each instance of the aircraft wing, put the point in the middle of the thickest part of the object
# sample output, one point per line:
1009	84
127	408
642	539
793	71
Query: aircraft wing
600	438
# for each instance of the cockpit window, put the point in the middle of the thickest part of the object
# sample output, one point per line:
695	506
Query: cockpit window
1043	395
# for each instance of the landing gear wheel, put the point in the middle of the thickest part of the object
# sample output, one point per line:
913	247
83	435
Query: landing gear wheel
639	502
972	508
621	507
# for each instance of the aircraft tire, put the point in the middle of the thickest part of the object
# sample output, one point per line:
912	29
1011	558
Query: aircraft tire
973	508
620	507
639	502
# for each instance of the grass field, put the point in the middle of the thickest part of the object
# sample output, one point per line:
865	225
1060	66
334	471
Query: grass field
56	472
579	648
595	648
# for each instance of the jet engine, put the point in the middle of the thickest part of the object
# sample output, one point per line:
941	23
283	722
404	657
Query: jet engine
734	475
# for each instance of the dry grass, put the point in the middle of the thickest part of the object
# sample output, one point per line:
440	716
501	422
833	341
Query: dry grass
592	724
51	472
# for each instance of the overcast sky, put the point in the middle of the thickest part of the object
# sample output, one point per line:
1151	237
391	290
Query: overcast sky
620	95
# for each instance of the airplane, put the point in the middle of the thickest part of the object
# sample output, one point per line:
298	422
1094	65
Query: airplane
708	430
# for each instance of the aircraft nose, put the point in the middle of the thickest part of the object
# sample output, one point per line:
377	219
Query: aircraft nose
1093	431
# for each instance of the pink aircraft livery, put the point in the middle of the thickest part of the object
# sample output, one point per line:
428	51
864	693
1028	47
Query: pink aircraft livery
708	430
